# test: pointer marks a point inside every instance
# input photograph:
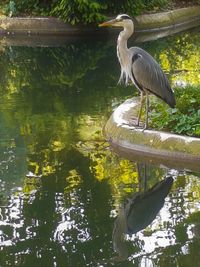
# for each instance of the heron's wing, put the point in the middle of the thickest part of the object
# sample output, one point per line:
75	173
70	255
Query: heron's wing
149	76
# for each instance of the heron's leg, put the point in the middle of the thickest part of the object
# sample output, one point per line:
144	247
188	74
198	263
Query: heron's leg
147	111
140	110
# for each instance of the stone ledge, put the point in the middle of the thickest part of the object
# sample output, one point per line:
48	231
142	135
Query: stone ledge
184	17
169	19
40	25
158	147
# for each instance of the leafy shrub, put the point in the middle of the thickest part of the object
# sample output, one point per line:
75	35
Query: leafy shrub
155	4
10	9
42	7
184	119
125	6
76	11
135	7
86	11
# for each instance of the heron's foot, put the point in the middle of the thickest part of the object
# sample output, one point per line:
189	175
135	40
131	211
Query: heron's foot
145	127
139	125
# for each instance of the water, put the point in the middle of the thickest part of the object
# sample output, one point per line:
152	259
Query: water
65	196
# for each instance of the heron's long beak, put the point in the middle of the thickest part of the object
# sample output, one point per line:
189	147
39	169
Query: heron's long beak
108	23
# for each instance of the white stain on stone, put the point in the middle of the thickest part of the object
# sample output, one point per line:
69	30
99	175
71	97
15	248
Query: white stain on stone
118	114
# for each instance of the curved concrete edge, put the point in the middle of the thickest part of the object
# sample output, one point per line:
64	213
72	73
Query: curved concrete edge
170	150
168	19
184	18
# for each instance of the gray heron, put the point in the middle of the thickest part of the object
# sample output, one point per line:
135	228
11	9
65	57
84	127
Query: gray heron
140	67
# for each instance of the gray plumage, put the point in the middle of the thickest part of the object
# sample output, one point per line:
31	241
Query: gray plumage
148	76
140	67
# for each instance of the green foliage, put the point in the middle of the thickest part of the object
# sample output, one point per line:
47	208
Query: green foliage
76	11
125	6
157	4
135	7
185	118
10	9
84	11
34	7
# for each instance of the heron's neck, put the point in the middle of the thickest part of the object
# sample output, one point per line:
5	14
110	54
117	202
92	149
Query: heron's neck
123	38
123	54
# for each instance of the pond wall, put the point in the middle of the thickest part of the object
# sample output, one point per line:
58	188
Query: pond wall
170	150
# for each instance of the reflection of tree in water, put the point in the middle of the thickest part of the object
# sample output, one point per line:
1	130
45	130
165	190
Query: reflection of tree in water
51	221
68	218
63	67
47	100
42	107
48	91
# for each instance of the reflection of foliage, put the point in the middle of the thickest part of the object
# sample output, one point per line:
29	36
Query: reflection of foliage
185	118
53	107
117	171
59	66
185	199
52	220
122	175
49	97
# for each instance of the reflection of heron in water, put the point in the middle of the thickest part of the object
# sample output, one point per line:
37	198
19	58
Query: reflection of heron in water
140	67
137	213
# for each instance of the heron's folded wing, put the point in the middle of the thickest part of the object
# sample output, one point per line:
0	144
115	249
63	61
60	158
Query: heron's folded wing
149	76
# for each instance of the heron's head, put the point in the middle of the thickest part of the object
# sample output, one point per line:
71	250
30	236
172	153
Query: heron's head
122	20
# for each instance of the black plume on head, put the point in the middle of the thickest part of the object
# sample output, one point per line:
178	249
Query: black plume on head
124	16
